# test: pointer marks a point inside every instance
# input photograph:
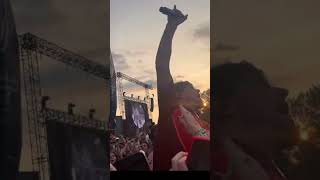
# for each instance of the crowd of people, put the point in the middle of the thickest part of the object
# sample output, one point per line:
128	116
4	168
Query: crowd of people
247	108
122	147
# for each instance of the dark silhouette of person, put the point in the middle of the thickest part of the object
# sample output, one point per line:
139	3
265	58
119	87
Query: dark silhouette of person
251	124
308	165
10	111
170	95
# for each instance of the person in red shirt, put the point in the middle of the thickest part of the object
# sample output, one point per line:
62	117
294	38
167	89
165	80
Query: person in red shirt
251	124
175	99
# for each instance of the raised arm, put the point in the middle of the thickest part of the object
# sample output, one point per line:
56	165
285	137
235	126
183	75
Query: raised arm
164	52
166	143
164	78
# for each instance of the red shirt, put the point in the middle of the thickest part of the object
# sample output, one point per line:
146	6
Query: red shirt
171	139
184	137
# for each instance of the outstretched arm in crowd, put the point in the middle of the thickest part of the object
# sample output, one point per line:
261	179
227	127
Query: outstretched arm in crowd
164	78
164	149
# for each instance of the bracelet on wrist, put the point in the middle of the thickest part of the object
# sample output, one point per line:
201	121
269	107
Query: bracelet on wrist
201	132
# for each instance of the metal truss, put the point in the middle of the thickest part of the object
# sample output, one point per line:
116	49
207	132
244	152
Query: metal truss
121	97
52	50
76	120
31	49
133	80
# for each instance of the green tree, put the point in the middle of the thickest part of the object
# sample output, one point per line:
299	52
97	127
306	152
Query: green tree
304	109
205	111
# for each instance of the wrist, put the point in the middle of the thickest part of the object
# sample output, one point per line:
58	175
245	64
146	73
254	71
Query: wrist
201	132
171	26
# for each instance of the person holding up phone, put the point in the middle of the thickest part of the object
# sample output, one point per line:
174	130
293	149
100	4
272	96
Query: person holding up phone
173	134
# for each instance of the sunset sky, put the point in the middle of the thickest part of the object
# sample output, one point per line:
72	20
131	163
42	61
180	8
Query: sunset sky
281	37
135	31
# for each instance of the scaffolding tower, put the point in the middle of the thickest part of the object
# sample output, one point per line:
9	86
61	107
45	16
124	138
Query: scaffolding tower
31	49
121	97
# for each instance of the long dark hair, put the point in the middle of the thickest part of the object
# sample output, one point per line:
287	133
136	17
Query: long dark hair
226	79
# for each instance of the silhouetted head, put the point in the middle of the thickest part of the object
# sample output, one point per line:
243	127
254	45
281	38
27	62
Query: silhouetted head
113	158
250	110
145	147
188	95
153	133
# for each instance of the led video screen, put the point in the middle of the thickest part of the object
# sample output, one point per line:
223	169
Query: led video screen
136	116
77	153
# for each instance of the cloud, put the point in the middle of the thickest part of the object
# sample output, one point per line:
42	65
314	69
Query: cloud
153	83
142	78
150	72
120	62
35	13
143	75
179	77
203	32
148	79
279	38
94	53
134	53
129	86
80	30
220	46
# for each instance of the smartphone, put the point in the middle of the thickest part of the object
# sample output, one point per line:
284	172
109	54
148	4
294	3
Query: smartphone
199	155
136	162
